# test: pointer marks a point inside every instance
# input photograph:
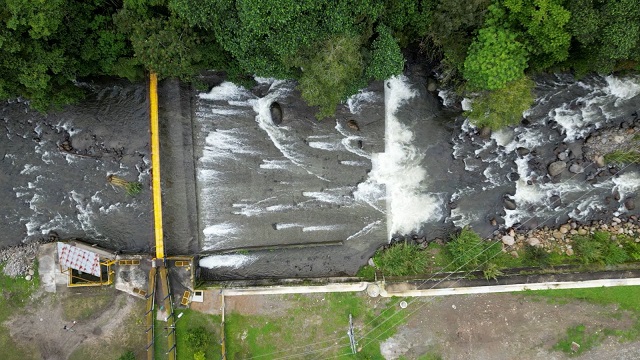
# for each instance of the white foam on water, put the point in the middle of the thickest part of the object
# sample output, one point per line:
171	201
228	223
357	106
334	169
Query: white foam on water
275	164
460	218
225	143
225	111
68	127
350	141
448	97
622	88
592	110
111	208
626	184
399	169
222	229
339	196
282	137
226	91
466	104
84	213
353	163
227	261
355	102
586	207
537	196
29	169
365	230
284	226
209	175
329	146
322	228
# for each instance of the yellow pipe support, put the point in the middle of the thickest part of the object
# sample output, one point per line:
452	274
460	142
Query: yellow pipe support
155	164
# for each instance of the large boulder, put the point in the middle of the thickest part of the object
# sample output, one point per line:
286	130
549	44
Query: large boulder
276	113
508	240
556	168
576	169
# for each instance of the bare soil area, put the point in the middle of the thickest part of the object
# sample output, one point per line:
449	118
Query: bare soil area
488	326
101	323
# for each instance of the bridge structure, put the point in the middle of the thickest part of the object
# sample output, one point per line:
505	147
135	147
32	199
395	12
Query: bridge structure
159	298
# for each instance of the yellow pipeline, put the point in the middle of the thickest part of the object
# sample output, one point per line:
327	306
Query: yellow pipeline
155	165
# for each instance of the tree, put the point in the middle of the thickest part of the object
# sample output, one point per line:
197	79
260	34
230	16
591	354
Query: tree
503	107
495	58
542	24
386	57
607	34
332	74
47	45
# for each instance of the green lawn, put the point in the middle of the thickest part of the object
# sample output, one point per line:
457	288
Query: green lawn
15	294
191	320
314	327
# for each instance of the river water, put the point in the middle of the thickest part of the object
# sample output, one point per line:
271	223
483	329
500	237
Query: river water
45	188
308	197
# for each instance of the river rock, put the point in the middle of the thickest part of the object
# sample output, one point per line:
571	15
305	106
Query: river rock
599	160
555	201
508	240
563	156
276	113
582	231
522	151
28	277
432	85
556	168
576	169
514	176
569	252
558	235
485	132
533	241
616	220
629	204
509	204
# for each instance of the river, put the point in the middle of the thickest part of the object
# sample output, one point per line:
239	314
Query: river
305	197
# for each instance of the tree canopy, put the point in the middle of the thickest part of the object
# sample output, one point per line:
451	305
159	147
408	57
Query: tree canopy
330	47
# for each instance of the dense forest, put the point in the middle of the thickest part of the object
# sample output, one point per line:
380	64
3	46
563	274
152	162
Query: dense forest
490	48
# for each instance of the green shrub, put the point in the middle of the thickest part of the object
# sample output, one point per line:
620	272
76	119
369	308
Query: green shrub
470	252
129	355
588	250
614	254
197	338
536	256
401	259
502	107
199	355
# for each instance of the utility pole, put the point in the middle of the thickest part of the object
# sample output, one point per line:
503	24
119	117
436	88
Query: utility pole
352	338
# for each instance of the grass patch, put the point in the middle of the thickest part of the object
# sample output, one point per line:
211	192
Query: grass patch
132	188
367	273
186	324
14	296
624	296
316	327
401	259
622	157
90	302
579	335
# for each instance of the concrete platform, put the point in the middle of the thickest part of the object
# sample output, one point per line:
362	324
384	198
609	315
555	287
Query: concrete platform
132	279
50	275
